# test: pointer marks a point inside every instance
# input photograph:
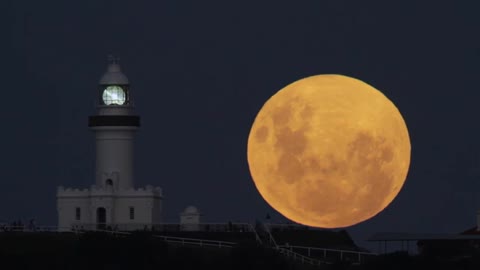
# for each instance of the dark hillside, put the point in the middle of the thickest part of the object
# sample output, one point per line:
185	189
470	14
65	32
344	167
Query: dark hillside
138	251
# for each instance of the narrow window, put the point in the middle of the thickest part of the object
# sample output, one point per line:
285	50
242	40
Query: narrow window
78	213
132	213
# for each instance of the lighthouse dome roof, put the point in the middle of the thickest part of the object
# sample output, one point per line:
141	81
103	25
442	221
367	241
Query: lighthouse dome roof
114	74
191	210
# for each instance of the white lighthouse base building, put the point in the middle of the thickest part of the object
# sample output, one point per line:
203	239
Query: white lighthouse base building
104	208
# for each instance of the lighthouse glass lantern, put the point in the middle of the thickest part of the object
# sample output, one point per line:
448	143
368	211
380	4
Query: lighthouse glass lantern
114	95
114	86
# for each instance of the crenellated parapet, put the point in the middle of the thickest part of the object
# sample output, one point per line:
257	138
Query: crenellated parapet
72	192
146	191
101	191
94	191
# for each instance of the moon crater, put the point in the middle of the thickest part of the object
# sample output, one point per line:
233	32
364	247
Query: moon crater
329	151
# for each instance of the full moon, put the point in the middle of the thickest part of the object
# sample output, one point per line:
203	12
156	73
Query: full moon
329	151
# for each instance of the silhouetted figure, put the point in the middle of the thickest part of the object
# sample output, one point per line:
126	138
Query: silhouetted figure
31	225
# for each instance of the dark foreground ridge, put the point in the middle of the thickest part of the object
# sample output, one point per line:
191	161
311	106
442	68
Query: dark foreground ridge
139	250
96	250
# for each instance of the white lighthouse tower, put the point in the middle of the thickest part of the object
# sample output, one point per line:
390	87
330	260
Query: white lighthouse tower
114	126
113	200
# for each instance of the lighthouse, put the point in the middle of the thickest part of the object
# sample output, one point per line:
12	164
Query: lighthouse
112	201
114	126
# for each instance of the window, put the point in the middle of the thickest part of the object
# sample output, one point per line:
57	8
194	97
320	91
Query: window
132	213
77	213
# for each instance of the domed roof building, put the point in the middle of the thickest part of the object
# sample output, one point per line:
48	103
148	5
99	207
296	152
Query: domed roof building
190	219
191	210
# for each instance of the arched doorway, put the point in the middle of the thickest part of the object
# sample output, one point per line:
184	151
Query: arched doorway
109	183
101	218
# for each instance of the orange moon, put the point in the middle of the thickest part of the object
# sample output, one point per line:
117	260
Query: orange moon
329	151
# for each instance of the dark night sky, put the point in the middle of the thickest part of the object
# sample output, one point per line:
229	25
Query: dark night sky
201	70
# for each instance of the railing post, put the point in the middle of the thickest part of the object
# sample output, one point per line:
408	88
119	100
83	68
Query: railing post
341	255
324	253
308	252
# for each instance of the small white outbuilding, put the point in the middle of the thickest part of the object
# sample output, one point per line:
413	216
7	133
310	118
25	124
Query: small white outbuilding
190	219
